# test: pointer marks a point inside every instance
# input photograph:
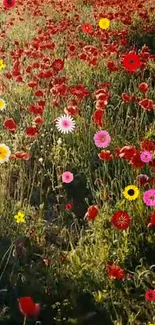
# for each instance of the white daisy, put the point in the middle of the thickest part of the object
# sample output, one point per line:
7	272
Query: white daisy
4	153
2	104
65	124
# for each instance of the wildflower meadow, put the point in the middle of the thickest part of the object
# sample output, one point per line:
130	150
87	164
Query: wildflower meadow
77	162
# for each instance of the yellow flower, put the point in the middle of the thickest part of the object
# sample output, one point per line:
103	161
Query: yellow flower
2	104
131	192
104	23
20	217
4	153
2	65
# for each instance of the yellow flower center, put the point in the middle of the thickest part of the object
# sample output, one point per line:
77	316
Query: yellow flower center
1	104
102	139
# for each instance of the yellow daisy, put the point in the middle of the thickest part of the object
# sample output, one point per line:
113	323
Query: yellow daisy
104	23
2	104
2	65
20	217
4	153
131	192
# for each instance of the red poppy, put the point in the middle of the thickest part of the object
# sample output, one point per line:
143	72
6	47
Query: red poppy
136	161
39	93
92	212
31	131
9	3
152	220
27	307
147	145
121	220
98	117
87	28
38	120
127	152
142	179
105	155
68	206
143	87
150	295
126	98
10	124
58	65
131	61
147	104
115	271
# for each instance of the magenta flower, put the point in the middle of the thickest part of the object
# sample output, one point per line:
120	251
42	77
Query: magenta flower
102	139
149	198
67	177
146	156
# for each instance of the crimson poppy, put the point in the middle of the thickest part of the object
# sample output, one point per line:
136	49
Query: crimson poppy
27	307
150	295
131	61
92	212
121	220
9	3
143	87
98	117
105	155
126	98
31	131
87	28
115	271
10	124
68	206
147	145
58	65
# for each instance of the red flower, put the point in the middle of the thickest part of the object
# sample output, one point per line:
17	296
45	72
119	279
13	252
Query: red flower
92	212
143	87
112	67
126	98
27	307
98	117
121	220
10	124
38	120
105	155
146	103
68	206
32	84
58	65
127	152
136	161
152	220
9	3
150	295
147	145
39	93
142	179
87	28
31	131
115	271
131	61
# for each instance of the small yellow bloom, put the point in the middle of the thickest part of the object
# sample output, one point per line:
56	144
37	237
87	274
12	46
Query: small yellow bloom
104	23
2	104
2	65
131	192
20	217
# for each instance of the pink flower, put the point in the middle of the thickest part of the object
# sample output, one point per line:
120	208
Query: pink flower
146	156
102	139
67	177
150	295
149	198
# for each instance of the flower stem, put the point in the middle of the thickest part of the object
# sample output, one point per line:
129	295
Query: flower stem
24	323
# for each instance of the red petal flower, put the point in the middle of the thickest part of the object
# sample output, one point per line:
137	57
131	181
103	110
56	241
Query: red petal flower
92	212
58	65
9	3
87	28
27	307
150	295
143	87
115	271
121	220
147	104
131	61
126	98
147	145
31	131
68	206
10	124
105	155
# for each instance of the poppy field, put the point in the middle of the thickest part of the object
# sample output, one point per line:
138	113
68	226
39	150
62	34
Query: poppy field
77	162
